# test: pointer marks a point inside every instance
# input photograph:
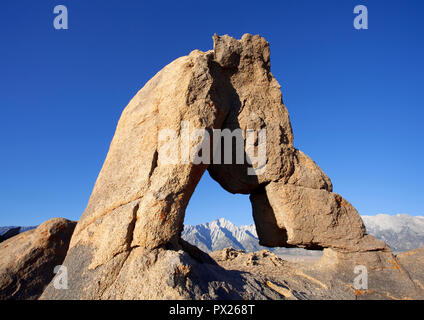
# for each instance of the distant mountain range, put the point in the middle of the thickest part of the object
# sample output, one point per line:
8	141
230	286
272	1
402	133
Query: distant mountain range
8	232
401	232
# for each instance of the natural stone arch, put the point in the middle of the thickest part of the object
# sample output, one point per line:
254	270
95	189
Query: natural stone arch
135	214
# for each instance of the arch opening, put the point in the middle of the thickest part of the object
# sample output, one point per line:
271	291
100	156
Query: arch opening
216	219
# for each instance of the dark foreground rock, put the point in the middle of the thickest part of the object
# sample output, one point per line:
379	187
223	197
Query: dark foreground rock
27	260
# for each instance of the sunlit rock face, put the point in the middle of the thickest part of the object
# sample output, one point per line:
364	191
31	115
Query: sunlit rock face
127	244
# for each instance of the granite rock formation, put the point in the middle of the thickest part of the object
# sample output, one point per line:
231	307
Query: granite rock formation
28	260
127	244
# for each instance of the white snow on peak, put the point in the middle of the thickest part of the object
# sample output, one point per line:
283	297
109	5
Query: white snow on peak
396	223
401	232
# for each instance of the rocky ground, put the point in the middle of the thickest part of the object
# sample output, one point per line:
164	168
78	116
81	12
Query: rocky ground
316	279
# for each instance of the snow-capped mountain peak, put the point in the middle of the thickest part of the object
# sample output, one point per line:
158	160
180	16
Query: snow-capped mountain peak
401	232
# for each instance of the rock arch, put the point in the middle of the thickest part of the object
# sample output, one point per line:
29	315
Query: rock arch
135	214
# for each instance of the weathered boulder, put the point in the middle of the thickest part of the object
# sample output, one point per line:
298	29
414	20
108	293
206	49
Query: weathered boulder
127	243
315	217
28	260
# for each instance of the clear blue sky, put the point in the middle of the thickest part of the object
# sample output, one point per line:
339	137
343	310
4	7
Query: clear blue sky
355	97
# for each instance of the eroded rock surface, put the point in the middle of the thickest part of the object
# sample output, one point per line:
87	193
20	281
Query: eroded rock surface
28	260
413	262
127	243
333	277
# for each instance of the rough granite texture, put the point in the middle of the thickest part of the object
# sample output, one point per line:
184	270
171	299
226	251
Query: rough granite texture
127	243
28	260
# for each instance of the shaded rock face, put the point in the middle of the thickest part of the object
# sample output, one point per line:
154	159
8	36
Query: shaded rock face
127	241
28	260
